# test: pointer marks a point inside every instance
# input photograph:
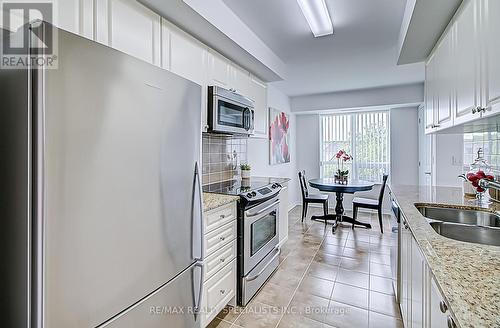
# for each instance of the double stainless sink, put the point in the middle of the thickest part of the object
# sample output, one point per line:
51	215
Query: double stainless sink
474	226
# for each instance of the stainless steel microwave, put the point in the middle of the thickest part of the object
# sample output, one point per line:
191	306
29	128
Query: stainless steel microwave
229	112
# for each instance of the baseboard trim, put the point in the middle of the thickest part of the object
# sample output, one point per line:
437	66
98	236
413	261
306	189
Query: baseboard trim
293	205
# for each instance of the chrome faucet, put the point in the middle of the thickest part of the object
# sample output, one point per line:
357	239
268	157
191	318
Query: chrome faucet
485	183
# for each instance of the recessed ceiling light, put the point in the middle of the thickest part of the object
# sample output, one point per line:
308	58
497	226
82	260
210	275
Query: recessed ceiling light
317	16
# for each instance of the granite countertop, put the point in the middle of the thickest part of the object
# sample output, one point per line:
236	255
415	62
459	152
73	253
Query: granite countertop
211	201
468	274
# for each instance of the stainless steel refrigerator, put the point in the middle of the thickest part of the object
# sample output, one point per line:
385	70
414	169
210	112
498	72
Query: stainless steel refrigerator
101	204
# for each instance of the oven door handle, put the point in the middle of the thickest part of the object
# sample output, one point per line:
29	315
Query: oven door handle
250	214
257	275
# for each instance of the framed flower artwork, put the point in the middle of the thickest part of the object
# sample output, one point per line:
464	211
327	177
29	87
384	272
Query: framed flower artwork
279	137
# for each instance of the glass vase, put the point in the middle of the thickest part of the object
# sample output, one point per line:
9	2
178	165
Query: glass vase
483	197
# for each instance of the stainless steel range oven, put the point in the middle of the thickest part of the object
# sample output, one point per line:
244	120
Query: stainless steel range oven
260	246
258	231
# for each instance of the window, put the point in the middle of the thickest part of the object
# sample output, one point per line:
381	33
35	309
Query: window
364	135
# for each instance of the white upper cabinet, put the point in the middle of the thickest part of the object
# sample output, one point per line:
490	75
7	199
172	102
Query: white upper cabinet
239	80
187	57
463	72
439	92
76	16
218	70
130	27
491	18
223	73
165	44
467	63
430	94
258	92
445	91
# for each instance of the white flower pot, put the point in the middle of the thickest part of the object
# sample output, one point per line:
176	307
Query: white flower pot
245	174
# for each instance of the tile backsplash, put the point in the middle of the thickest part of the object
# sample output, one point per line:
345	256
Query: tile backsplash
222	156
489	141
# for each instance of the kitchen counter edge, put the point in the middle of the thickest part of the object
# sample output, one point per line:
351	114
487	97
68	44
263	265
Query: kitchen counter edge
212	201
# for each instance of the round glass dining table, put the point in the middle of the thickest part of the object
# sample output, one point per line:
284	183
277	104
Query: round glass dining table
329	185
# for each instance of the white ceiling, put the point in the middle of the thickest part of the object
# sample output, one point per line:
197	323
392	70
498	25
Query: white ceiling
362	53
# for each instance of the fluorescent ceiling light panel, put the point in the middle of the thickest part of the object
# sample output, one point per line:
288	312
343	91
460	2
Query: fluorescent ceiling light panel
317	16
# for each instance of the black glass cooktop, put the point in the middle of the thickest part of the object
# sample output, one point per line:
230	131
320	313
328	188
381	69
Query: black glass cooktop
237	187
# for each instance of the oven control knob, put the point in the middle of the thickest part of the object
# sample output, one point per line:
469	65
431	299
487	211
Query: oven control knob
249	195
254	193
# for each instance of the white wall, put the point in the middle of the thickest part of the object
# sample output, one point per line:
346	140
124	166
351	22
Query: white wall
308	145
404	146
258	148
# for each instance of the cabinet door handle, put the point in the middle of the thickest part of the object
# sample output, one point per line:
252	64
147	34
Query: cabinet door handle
222	216
478	110
222	291
222	260
222	238
443	307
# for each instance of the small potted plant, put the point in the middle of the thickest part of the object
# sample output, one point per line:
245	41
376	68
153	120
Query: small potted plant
245	171
342	176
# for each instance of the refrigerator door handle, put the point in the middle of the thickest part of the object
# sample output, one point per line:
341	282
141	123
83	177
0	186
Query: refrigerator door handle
198	288
197	217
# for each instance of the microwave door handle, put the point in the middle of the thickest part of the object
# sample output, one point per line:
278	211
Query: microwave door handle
246	118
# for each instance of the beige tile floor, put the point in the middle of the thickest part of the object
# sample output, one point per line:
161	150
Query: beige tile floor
325	280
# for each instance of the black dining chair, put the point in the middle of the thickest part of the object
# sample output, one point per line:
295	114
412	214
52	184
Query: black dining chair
308	198
373	204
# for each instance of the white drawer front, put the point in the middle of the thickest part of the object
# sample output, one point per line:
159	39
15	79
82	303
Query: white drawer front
220	237
219	217
219	259
218	291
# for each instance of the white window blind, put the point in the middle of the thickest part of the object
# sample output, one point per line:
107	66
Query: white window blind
363	135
